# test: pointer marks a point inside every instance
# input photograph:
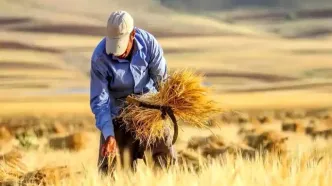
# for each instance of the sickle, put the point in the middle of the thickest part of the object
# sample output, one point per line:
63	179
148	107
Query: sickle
164	110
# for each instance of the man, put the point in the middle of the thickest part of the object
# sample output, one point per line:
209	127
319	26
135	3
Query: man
127	61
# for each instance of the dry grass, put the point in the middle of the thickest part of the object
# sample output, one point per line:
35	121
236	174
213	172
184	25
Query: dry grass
184	93
14	174
45	176
12	166
219	159
301	168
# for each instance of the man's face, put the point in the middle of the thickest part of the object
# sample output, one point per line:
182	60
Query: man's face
129	47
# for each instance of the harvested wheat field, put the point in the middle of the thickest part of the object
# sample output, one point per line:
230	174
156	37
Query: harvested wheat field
268	65
62	150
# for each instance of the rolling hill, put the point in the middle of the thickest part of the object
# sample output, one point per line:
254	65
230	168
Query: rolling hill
45	51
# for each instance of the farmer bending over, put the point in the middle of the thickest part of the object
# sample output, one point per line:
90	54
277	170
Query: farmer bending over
127	61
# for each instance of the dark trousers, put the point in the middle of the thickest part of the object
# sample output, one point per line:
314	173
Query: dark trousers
130	150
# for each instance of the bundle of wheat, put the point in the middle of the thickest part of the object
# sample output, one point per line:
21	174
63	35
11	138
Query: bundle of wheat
270	141
213	141
5	135
191	159
184	93
13	174
12	167
76	141
264	119
59	128
293	126
5	139
230	149
46	176
326	134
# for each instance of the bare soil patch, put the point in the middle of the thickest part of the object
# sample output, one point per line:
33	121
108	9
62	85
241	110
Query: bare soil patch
249	75
318	13
16	77
65	29
11	20
5	77
21	46
23	86
278	88
319	72
282	15
100	31
22	65
315	32
312	51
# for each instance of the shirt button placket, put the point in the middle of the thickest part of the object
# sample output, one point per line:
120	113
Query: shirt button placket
134	76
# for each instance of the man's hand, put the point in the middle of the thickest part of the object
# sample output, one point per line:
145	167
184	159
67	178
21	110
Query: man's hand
109	147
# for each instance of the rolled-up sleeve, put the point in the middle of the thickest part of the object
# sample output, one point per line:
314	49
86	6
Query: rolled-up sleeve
100	101
157	65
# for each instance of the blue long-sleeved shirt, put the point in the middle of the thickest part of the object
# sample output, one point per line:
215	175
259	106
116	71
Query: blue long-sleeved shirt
113	79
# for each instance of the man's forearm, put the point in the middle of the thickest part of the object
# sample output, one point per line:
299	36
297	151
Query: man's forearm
105	124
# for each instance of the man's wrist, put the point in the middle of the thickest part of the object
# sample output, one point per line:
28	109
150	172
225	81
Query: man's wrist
107	132
108	138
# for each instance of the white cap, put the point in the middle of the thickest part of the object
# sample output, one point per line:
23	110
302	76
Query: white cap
119	27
